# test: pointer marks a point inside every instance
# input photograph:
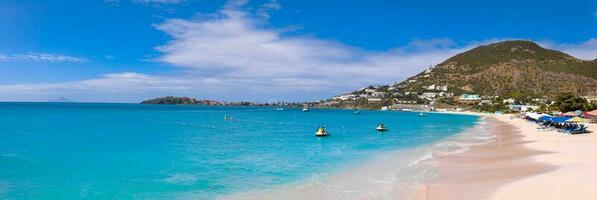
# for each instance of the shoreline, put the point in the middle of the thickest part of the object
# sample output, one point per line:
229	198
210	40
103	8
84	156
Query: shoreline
478	172
390	175
575	159
521	163
500	158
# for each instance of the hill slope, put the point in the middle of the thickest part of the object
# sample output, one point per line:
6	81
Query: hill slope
511	68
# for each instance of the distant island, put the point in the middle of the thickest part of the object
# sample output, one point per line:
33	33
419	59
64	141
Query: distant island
61	100
172	100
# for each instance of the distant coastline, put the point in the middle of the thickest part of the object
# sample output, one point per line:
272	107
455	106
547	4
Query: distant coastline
173	100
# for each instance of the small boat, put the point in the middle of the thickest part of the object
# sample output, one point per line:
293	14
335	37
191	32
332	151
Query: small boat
279	108
321	132
357	112
305	108
227	118
381	127
421	114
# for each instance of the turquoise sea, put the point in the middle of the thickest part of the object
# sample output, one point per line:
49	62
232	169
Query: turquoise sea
130	151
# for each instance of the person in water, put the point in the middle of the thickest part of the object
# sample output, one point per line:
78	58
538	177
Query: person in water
321	129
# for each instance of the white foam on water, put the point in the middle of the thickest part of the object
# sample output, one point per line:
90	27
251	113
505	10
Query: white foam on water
389	175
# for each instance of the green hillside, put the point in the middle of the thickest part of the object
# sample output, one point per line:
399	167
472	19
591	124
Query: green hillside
512	68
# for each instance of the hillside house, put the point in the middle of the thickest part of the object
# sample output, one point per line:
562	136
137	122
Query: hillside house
429	95
446	94
469	97
378	94
346	97
509	101
374	100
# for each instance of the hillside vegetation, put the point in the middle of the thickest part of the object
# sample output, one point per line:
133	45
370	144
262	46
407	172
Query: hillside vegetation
511	68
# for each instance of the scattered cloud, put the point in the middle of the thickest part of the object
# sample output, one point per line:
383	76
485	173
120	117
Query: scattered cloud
116	82
265	9
586	50
232	45
41	57
231	55
110	57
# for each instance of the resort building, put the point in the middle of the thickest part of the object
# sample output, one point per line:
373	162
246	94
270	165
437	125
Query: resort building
346	97
522	108
446	94
470	97
378	94
374	100
429	95
509	101
369	90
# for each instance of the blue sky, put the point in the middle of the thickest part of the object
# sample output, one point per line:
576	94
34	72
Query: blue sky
129	50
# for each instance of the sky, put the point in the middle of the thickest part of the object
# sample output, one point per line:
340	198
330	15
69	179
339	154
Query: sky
263	51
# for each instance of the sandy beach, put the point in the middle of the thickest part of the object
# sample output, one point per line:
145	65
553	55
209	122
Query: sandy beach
520	163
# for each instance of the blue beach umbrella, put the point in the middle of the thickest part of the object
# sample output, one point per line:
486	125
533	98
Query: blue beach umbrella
561	119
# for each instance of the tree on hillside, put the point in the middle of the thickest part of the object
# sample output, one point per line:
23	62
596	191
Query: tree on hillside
570	102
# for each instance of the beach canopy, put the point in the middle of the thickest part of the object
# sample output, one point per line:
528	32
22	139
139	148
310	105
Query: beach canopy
535	116
561	119
545	118
577	119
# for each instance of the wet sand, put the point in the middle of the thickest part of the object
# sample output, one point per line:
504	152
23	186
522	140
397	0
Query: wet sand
479	172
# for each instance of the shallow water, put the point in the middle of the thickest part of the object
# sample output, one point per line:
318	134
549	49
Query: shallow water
107	151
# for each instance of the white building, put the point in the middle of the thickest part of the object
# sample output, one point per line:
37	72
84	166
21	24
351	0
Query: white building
374	100
429	95
346	97
442	88
470	97
446	94
509	101
378	94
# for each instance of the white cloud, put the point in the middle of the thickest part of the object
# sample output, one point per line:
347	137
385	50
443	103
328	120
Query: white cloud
231	55
232	45
41	57
264	10
586	50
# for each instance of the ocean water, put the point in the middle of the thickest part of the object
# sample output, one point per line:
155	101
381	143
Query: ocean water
129	151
